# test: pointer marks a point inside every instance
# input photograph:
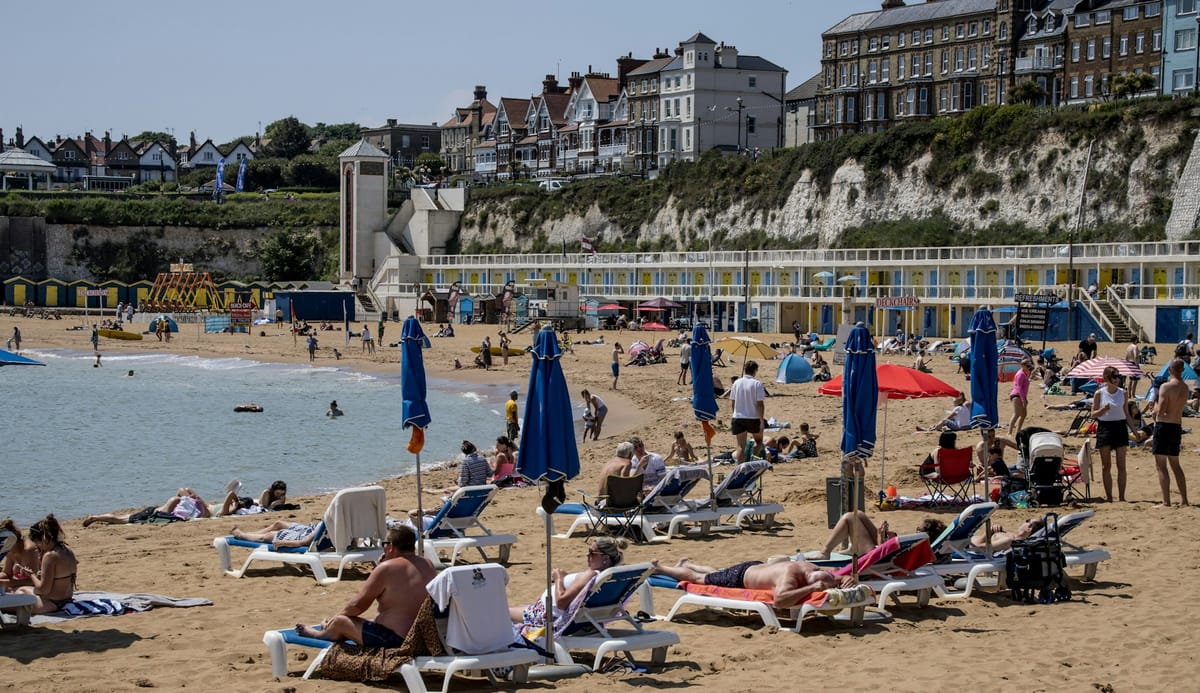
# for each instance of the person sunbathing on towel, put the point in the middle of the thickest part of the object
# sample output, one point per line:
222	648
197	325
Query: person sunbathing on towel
790	581
281	534
184	505
397	585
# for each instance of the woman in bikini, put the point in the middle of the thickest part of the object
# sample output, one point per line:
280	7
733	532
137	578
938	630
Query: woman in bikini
502	466
54	583
24	552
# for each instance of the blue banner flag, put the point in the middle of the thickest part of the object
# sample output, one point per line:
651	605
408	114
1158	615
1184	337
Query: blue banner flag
241	175
219	183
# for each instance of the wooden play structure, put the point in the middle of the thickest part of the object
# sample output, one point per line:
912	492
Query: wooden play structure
183	290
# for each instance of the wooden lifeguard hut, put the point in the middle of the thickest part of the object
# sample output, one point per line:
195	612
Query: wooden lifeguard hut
183	290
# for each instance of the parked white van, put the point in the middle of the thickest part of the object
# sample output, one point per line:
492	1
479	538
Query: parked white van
553	184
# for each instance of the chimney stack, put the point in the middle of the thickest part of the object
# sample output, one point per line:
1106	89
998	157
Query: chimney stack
550	85
20	137
391	122
575	81
480	92
1	140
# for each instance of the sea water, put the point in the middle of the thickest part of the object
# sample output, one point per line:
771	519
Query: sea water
82	440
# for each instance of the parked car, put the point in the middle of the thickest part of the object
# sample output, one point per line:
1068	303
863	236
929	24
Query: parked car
552	184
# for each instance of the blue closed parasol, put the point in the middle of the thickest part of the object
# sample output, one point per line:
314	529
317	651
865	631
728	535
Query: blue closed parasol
704	399
415	410
984	410
860	396
547	451
985	413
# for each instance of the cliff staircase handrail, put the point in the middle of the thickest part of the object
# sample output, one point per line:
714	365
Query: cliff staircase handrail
1093	308
1117	303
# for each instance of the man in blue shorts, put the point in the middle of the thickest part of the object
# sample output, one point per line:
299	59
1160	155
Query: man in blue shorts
397	584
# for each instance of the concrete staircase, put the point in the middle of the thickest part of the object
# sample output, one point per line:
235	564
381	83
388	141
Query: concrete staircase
1122	333
1186	209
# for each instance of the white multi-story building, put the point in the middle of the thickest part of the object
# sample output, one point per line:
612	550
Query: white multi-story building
710	97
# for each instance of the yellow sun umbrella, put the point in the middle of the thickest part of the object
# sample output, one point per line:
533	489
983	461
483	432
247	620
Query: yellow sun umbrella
746	347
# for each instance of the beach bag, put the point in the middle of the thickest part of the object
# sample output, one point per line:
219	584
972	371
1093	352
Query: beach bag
1036	569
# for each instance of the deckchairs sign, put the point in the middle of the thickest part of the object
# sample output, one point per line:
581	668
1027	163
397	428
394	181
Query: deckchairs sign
897	302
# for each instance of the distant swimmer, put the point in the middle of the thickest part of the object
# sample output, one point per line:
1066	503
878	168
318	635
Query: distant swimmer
129	374
97	364
334	412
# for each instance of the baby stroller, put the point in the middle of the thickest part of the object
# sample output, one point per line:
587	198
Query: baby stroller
1042	455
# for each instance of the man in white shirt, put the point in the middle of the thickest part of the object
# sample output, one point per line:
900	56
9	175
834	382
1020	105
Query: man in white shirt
650	465
749	409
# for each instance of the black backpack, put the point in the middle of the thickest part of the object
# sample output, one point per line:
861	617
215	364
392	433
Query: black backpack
1182	351
1036	569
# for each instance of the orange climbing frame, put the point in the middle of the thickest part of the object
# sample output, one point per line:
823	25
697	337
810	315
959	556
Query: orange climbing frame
183	292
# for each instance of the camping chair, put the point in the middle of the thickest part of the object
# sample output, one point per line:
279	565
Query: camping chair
456	526
826	345
740	495
953	475
717	359
620	509
603	608
1082	425
352	531
494	608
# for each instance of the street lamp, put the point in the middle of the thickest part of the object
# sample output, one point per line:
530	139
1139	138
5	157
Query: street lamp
739	129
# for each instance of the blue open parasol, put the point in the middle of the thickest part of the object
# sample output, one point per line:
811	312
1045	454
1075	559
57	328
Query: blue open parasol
704	399
7	358
547	451
415	411
860	396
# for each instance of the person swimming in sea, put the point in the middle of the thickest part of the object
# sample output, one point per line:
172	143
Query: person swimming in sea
334	412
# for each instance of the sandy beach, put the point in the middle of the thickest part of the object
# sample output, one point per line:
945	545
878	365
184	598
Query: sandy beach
1124	630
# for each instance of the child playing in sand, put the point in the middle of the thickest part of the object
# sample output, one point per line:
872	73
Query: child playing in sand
805	445
589	424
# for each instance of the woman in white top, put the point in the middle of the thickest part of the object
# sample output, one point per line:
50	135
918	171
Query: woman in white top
1112	429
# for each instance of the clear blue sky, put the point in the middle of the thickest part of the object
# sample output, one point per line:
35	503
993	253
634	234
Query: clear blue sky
221	67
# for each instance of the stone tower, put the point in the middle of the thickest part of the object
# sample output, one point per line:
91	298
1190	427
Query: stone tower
363	174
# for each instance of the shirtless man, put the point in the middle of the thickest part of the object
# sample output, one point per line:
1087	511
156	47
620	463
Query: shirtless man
619	465
1168	428
790	581
397	584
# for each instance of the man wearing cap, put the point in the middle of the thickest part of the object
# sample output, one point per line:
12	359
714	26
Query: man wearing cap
1087	347
510	416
